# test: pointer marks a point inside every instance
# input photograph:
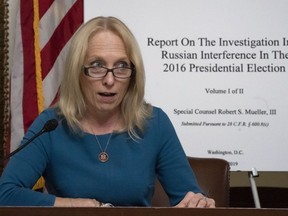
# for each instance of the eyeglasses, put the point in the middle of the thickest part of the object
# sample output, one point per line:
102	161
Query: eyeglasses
100	71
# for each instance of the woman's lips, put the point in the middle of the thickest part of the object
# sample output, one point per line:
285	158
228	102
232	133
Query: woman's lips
107	94
107	97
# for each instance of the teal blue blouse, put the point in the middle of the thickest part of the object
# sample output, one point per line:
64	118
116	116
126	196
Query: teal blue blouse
71	167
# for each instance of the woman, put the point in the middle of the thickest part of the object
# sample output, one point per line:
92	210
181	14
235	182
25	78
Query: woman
110	144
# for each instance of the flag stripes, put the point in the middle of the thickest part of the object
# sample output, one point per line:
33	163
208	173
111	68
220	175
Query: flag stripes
58	21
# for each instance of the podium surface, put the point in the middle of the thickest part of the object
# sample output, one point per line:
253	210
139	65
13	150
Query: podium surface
138	211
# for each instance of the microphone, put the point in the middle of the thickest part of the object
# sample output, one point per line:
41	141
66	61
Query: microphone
50	125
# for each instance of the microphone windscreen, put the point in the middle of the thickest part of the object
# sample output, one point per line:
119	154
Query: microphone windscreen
50	125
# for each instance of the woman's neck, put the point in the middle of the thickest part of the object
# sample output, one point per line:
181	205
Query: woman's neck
102	123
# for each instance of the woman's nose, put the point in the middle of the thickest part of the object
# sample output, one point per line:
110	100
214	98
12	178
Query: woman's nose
109	79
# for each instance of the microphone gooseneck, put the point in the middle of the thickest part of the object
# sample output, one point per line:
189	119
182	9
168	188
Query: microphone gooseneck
50	125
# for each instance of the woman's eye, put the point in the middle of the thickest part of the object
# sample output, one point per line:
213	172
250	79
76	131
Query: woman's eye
96	64
122	65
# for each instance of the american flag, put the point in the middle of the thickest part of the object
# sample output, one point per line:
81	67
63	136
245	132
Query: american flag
43	31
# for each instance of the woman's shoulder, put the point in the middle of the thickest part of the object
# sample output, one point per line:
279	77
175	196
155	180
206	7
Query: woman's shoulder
44	117
158	111
49	113
159	115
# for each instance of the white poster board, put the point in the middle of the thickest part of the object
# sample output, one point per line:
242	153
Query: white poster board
219	69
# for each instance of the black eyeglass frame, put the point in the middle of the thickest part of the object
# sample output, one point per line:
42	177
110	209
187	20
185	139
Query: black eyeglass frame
85	69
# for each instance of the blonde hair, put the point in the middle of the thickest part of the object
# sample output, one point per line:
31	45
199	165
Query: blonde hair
71	102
